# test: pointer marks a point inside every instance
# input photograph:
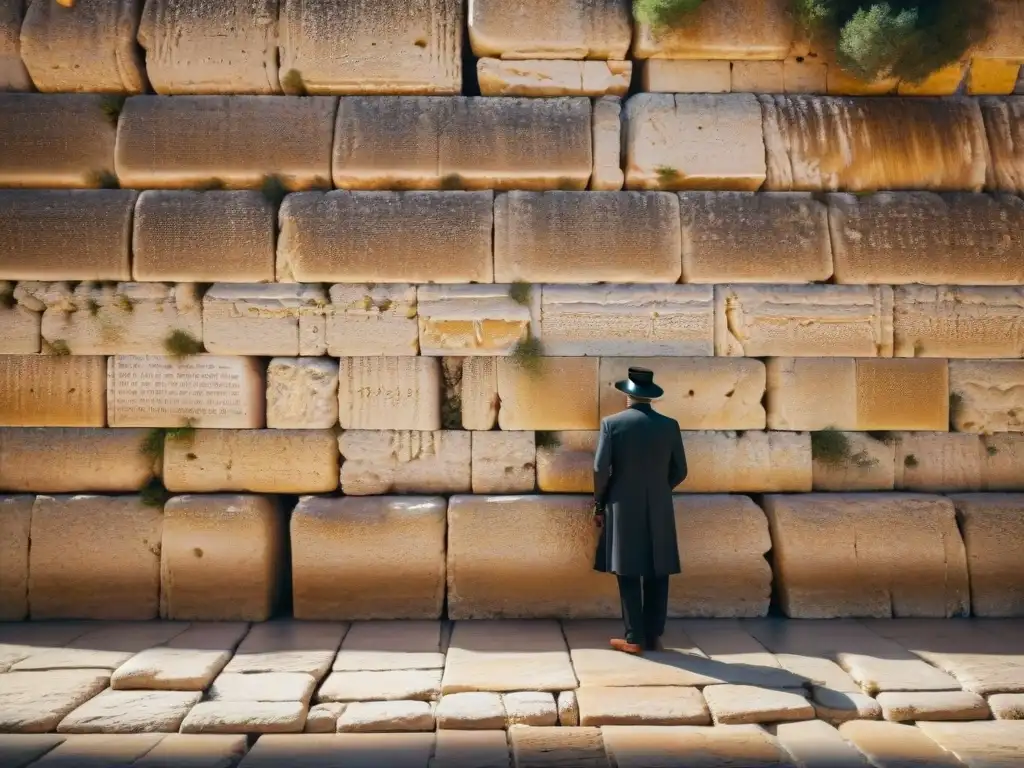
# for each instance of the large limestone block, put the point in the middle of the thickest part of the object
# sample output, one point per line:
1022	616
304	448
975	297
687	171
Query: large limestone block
762	29
846	554
262	686
867	464
954	321
302	393
561	394
200	391
801	74
565	461
198	47
368	558
13	75
741	237
839	143
289	646
126	318
758	77
981	744
627	320
57	460
906	706
35	702
477	394
1007	706
834	706
682	76
942	82
165	143
94	557
992	526
530	708
553	78
1003	461
700	393
214	236
389	393
188	662
222	558
985	395
131	712
502	462
265	320
566	29
920	237
586	237
471	711
938	462
694	141
386	237
803	321
52	391
102	35
15	532
372	319
607	137
537	747
385	685
255	717
858	394
748	704
55	141
386	717
387	461
22	324
462	142
642	705
65	235
470	320
1003	119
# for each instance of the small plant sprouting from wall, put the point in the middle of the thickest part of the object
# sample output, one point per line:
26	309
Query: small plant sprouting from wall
521	293
547	441
103	180
668	177
452	182
883	437
910	461
179	344
451	396
528	354
112	105
156	439
57	347
831	447
293	84
93	306
273	189
664	13
124	303
153	493
991	450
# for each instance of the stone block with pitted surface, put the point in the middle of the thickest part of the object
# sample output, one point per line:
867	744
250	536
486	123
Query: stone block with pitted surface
463	320
278	320
389	393
53	391
985	395
759	29
1002	124
991	527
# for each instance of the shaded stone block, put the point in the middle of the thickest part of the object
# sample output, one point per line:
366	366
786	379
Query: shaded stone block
955	321
302	393
502	462
187	662
13	75
553	78
687	76
762	29
992	525
131	712
35	702
1003	119
867	464
22	325
15	532
607	143
52	391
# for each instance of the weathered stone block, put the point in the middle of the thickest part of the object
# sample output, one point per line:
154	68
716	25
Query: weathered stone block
289	646
55	141
740	237
35	702
992	527
131	712
976	743
804	75
1003	461
835	143
302	393
694	141
918	237
470	320
246	717
94	557
1007	706
52	391
634	746
382	462
371	47
462	142
187	662
203	237
471	711
13	75
553	78
102	35
857	394
700	393
885	742
22	325
65	235
869	464
384	685
1003	119
560	394
586	237
530	708
686	76
984	395
371	320
265	320
200	391
748	704
758	77
803	321
386	717
262	686
380	646
762	29
15	532
845	555
165	143
502	462
565	461
942	82
478	393
938	462
389	393
919	706
627	320
196	47
607	142
642	705
368	558
955	321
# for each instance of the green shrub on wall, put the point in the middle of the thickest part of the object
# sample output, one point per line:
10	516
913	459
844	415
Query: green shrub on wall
664	13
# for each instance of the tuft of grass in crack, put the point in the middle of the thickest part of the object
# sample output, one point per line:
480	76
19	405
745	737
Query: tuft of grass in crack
521	292
293	84
452	181
991	450
831	447
956	406
528	354
124	303
153	444
668	177
184	434
273	189
547	440
179	344
154	494
103	180
57	347
93	306
910	461
112	105
883	436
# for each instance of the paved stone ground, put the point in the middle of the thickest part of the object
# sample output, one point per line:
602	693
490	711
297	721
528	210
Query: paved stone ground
523	693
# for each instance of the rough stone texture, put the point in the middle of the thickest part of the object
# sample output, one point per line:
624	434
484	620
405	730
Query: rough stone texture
906	706
607	144
94	557
35	702
382	462
804	75
742	237
102	646
857	394
1007	706
381	685
845	554
1003	128
568	709
471	710
921	237
627	320
471	749
302	393
560	394
21	324
368	558
188	662
102	35
694	141
839	143
265	320
205	237
746	745
95	750
979	744
954	321
382	646
372	319
474	319
168	143
385	237
682	76
64	234
323	718
565	462
700	393
462	142
836	706
196	47
989	398
816	744
663	705
371	47
586	237
222	557
179	750
758	77
207	391
530	708
262	686
52	391
534	747
553	78
13	75
386	717
502	462
57	460
896	744
289	646
246	717
870	466
126	318
746	704
762	29
15	530
478	393
803	321
389	393
992	527
131	712
54	141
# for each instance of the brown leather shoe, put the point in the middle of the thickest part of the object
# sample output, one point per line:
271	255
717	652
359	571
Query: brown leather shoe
621	645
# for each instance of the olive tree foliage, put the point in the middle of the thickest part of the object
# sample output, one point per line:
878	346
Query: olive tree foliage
664	13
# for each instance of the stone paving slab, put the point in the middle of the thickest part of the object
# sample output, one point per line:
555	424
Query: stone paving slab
530	708
262	686
99	750
388	645
746	704
20	640
18	750
35	702
386	717
1007	706
471	749
342	750
188	662
107	647
187	750
131	712
911	706
894	745
998	744
396	685
653	705
836	707
816	744
289	646
693	747
246	717
557	747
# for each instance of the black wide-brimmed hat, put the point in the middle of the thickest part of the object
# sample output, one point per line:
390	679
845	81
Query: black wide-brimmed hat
640	384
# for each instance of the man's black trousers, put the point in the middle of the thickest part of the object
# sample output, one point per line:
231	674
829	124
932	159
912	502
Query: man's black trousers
644	607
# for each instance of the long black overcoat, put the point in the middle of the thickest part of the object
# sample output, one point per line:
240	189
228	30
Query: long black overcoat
639	461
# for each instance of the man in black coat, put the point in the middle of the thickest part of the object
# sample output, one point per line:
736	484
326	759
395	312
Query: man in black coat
639	461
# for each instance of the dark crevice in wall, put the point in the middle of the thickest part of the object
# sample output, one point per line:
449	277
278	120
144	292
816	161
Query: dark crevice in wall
470	81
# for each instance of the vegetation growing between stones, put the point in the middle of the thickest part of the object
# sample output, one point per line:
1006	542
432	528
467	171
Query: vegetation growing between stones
111	106
181	344
211	185
153	493
834	449
57	347
664	13
273	189
155	440
547	440
882	436
124	303
293	84
910	461
452	181
991	450
451	397
93	306
668	177
521	293
103	180
528	354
